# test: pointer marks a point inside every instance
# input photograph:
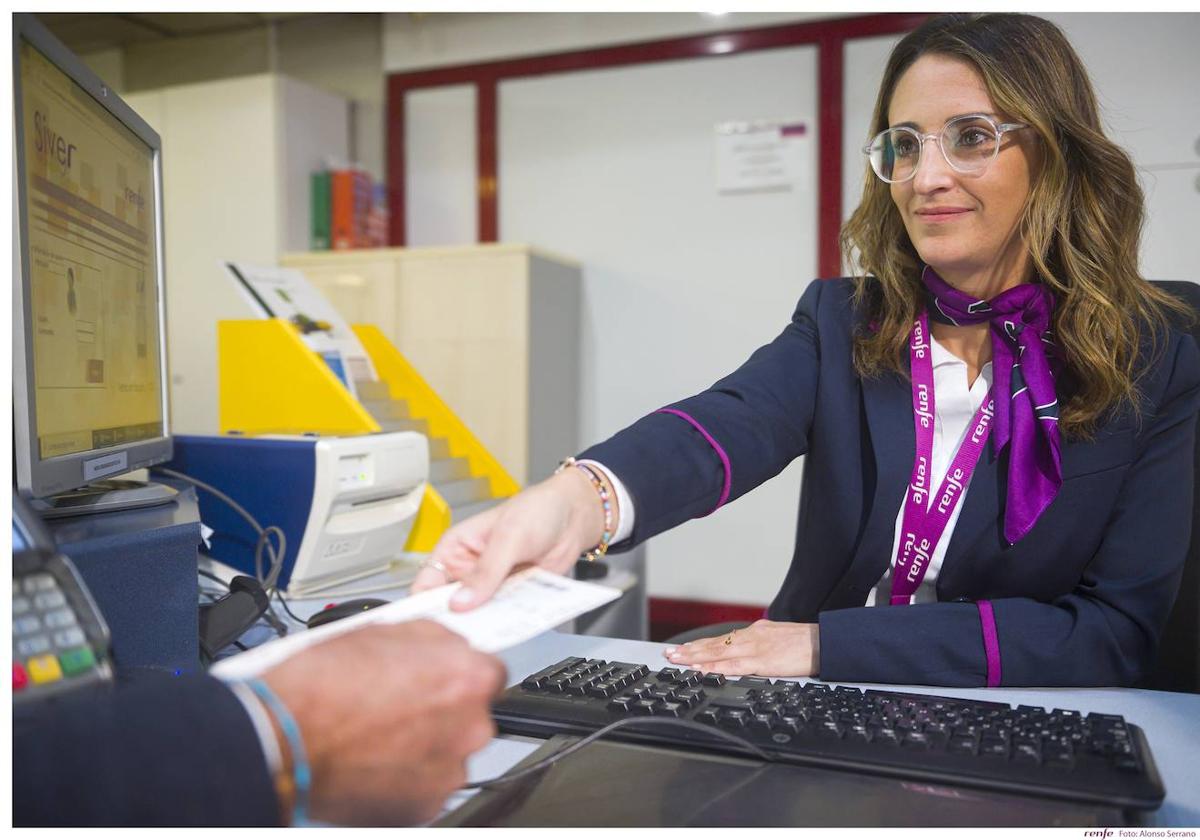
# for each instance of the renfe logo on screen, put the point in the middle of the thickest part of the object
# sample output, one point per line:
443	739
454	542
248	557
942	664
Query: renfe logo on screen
47	141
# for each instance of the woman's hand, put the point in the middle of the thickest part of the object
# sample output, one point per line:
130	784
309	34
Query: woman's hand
766	648
547	525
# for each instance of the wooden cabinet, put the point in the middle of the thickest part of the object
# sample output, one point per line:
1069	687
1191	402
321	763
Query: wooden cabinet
493	328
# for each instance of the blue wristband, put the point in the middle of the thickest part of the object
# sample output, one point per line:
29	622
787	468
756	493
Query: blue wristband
301	774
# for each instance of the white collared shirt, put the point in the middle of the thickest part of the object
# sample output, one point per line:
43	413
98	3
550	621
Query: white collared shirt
954	405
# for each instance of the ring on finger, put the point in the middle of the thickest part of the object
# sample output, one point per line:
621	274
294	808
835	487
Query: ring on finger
435	564
729	639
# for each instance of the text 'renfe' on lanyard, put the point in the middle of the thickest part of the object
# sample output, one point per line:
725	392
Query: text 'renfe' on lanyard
925	516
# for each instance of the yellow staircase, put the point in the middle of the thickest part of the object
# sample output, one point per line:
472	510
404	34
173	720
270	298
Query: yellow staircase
271	382
465	474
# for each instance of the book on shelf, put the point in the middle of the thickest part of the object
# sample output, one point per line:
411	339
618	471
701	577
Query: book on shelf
349	210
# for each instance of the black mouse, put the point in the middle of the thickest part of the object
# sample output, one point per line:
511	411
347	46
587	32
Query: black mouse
343	610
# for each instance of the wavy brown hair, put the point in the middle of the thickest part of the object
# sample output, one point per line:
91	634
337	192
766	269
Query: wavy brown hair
1081	224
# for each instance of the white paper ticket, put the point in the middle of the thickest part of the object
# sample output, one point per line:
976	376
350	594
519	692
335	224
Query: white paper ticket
527	604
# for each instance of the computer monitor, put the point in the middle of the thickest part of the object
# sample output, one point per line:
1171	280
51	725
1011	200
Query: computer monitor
89	350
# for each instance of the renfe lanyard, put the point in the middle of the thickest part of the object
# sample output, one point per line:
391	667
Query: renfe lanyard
925	517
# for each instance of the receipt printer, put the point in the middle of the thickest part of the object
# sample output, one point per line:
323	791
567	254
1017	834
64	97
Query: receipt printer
345	504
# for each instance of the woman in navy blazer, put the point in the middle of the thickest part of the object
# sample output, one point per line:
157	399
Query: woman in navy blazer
1000	225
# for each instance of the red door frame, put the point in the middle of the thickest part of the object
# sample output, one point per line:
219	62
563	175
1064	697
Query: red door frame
828	35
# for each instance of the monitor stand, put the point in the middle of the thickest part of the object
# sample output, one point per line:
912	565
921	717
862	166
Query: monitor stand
104	497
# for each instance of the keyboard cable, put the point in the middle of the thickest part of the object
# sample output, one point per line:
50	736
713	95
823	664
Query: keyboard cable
514	775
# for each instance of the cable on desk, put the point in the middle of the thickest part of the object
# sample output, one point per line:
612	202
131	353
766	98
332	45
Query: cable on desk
288	609
514	775
205	573
271	577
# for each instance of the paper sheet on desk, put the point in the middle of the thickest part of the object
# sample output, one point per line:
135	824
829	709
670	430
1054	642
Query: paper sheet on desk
528	604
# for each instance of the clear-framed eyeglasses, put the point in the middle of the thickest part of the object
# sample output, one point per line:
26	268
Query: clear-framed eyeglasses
969	144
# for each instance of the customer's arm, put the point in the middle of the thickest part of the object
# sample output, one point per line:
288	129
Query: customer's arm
164	751
387	714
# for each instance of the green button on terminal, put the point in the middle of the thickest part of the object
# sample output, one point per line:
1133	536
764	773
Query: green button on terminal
76	661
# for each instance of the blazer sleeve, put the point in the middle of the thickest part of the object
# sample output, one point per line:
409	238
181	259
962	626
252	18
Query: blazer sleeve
1104	632
692	457
162	751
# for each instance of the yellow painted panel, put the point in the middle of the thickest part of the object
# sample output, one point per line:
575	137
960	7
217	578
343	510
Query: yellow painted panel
432	521
404	382
271	382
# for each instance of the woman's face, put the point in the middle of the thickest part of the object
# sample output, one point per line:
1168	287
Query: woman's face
964	226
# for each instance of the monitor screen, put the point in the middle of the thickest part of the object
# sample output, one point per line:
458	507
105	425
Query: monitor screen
89	351
91	237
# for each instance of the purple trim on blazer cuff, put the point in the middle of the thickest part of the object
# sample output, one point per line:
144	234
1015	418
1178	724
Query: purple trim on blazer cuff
991	642
716	447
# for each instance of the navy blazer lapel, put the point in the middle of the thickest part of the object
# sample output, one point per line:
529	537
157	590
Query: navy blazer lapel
888	403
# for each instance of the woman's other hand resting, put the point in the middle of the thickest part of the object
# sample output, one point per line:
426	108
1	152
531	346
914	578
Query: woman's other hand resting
547	525
767	648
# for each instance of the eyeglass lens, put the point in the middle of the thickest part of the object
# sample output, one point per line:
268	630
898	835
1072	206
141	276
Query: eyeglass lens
969	144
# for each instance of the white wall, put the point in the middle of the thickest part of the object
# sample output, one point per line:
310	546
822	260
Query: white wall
440	183
421	41
615	167
236	158
1146	70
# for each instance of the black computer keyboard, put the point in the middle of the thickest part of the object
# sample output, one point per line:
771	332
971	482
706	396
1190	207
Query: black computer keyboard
1060	754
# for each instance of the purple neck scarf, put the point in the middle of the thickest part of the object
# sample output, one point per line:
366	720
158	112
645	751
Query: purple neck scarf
1028	418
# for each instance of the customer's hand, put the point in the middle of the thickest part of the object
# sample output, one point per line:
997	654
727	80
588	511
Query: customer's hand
549	525
767	648
388	715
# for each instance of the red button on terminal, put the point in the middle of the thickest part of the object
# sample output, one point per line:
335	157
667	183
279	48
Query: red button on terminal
20	678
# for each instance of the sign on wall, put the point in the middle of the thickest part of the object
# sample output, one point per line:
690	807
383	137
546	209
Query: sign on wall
763	156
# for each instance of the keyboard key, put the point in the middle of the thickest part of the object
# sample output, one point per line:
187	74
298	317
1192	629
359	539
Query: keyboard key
37	583
27	624
962	744
20	605
690	678
762	723
714	680
623	703
32	646
708	716
1027	754
601	690
76	661
994	747
789	723
734	718
1059	757
887	737
20	678
670	674
44	669
49	600
60	618
831	729
646	707
670	710
754	682
916	741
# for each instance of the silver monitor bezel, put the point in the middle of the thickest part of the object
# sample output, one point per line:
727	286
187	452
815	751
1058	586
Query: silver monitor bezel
38	477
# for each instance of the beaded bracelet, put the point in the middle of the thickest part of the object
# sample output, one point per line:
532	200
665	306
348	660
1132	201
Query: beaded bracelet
602	489
301	774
